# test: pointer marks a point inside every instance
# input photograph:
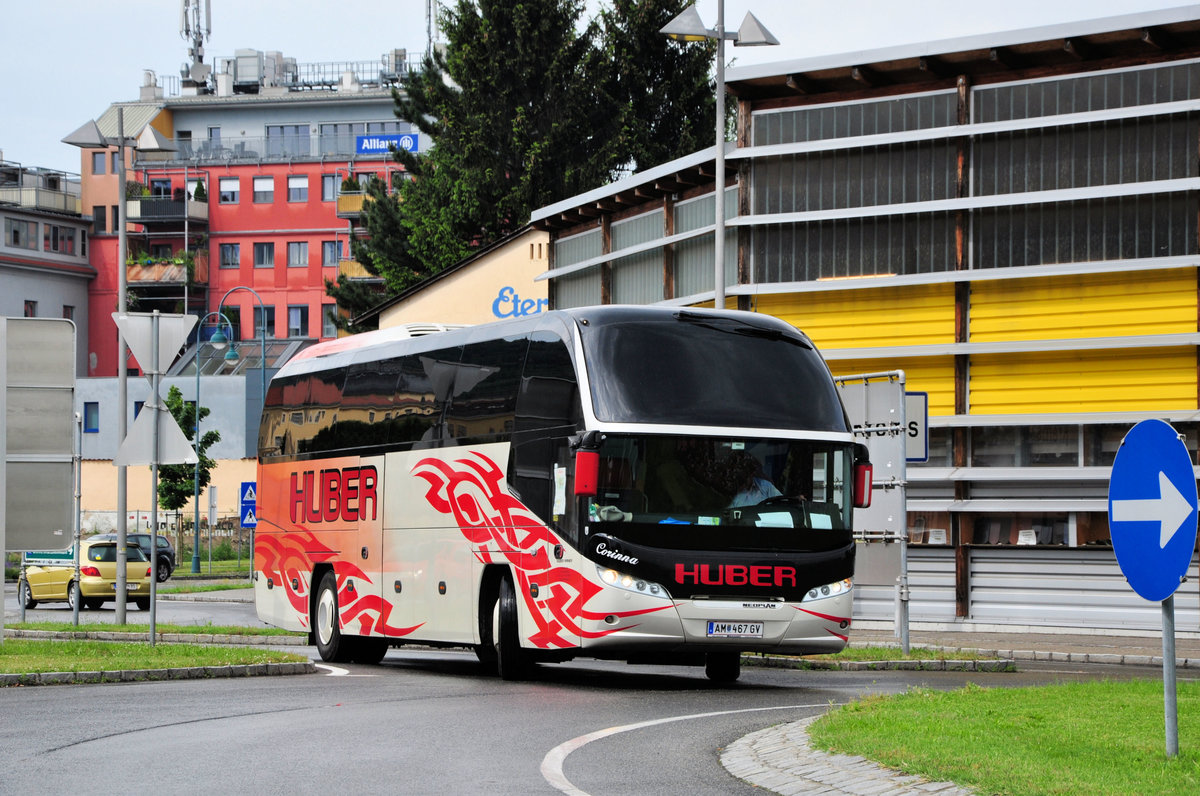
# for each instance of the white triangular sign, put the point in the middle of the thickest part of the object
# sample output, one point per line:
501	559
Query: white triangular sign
138	447
249	496
249	520
138	329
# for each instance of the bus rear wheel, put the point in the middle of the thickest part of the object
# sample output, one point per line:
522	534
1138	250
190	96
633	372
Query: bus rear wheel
368	650
331	644
723	667
512	662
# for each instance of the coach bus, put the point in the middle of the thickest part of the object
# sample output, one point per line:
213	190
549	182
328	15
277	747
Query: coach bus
648	484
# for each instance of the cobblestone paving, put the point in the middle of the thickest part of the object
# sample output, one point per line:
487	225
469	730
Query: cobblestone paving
780	759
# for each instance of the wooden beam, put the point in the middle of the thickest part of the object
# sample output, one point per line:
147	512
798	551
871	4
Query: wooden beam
1006	58
866	75
1079	48
934	66
801	84
1159	38
686	179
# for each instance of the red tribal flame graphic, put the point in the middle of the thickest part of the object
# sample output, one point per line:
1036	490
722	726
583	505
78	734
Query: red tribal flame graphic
500	528
288	558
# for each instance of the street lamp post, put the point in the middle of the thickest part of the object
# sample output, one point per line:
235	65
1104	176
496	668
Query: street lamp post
262	364
689	27
89	137
218	342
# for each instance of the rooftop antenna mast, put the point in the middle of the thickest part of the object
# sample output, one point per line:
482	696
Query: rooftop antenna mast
195	75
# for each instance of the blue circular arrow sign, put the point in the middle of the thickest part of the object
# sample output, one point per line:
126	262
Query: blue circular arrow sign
1152	509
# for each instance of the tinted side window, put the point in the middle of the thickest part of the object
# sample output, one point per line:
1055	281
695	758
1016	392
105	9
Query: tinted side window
483	398
548	411
549	392
312	426
365	417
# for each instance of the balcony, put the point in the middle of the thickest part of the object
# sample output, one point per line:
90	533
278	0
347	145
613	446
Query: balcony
353	269
349	205
145	271
164	209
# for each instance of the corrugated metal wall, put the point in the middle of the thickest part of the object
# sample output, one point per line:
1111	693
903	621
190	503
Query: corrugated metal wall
1067	588
580	289
931	587
1096	305
638	279
1135	380
900	316
933	375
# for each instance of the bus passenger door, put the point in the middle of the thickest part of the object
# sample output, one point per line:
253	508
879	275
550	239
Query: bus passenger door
426	552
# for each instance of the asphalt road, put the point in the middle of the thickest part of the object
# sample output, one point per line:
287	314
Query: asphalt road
424	722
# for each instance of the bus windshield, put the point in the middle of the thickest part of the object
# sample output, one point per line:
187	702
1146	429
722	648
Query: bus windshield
782	494
703	370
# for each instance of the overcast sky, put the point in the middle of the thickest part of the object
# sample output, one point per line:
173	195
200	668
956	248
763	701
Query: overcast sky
64	61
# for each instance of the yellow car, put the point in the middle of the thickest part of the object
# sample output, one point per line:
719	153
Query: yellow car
97	578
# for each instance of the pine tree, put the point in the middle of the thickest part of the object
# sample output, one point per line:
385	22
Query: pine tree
662	87
526	106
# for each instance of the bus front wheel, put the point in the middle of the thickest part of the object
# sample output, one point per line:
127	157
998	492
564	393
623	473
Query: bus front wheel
511	661
331	644
723	667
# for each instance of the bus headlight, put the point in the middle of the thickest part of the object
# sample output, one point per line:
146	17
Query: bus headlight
829	590
631	583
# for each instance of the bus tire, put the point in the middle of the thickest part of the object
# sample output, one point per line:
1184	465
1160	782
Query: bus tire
331	644
512	663
369	650
723	667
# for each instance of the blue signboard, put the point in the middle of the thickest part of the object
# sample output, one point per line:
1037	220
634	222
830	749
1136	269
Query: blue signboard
247	498
1152	509
379	143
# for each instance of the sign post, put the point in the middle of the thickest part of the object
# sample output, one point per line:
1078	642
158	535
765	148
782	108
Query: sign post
155	438
1152	516
247	502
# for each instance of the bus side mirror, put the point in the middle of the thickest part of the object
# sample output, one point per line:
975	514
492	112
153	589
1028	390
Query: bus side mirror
587	473
862	484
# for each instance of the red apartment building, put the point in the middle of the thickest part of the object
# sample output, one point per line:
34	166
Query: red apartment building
253	194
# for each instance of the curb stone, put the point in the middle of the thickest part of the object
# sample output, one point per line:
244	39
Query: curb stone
178	673
780	759
166	638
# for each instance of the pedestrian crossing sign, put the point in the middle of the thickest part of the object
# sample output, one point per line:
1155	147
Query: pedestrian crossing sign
248	498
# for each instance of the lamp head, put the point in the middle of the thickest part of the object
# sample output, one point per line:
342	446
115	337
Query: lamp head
218	340
753	34
687	27
231	357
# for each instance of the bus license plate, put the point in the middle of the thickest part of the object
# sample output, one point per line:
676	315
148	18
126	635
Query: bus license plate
735	629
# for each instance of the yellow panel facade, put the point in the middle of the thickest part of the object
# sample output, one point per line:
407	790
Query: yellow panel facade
933	375
897	316
1138	380
1091	305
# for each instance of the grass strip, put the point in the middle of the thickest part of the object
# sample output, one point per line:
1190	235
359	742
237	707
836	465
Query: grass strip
24	656
897	654
1096	738
202	587
160	627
